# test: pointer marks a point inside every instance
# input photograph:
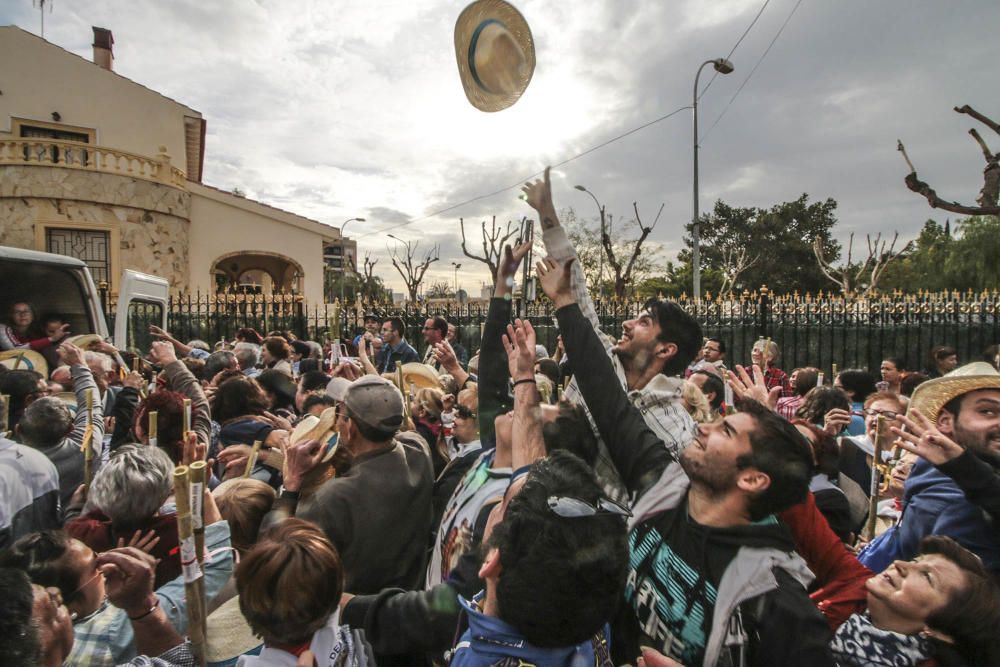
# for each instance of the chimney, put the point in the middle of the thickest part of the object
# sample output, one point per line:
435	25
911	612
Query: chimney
103	48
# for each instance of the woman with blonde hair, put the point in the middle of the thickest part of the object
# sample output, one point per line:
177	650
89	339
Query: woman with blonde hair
426	407
696	403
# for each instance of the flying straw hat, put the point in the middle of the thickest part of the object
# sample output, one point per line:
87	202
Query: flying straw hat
421	375
84	341
933	395
24	360
495	54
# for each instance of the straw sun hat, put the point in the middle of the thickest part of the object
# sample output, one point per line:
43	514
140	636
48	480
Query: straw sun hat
25	360
933	395
495	53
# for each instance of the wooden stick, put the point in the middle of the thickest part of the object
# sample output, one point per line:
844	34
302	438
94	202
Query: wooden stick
4	413
876	480
197	476
252	461
834	371
187	416
189	565
87	443
152	427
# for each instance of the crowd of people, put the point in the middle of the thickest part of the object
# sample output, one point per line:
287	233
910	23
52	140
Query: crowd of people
622	501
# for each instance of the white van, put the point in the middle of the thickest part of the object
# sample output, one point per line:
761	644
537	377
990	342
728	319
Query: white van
56	284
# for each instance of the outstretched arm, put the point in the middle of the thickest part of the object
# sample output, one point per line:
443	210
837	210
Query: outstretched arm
529	446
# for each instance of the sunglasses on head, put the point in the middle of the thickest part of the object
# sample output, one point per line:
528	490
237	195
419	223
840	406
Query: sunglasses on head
572	508
464	412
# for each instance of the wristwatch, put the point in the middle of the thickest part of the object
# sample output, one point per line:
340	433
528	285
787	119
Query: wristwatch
288	493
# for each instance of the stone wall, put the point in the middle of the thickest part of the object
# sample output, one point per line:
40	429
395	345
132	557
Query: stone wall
152	220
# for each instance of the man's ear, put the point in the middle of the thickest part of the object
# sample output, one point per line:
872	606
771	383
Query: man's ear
946	423
491	567
751	480
666	351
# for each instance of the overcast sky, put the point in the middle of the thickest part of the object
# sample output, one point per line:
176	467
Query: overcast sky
340	109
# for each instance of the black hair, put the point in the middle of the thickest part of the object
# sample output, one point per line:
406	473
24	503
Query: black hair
713	384
278	383
238	396
397	325
317	399
18	385
571	431
805	380
780	452
898	362
679	328
19	641
309	365
941	352
441	325
40	556
313	380
858	384
722	344
550	369
972	614
561	577
300	348
909	383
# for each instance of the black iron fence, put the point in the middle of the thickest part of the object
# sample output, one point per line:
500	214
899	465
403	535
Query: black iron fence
818	330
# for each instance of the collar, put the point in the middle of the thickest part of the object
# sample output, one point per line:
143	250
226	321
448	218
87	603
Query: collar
661	389
859	642
468	447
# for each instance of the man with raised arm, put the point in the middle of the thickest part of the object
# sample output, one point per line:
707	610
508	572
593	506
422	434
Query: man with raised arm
713	577
654	349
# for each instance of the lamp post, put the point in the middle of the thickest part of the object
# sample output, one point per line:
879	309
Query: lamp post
600	247
722	66
457	266
343	256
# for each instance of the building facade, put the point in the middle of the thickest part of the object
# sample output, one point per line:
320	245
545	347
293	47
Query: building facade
99	167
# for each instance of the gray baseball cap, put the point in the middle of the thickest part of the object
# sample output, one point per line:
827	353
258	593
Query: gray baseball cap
337	388
375	402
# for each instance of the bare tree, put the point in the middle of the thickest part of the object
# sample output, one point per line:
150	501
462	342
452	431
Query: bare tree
493	242
860	279
624	275
735	262
988	195
410	268
440	289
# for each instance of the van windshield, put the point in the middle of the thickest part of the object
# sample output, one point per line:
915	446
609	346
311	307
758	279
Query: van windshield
50	290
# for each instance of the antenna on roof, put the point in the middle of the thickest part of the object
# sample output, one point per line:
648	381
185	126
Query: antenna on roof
41	4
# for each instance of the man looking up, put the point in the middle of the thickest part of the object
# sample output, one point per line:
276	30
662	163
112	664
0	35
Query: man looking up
655	346
395	347
713	578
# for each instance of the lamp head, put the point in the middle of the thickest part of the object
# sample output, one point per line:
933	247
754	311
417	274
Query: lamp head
360	219
580	188
722	66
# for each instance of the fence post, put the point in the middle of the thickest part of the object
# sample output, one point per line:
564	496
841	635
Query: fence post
764	313
102	287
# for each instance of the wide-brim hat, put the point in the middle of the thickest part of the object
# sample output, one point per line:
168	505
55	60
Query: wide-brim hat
495	53
933	395
421	375
84	341
24	360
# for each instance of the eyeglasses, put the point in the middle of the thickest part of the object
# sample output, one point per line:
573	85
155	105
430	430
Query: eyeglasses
572	508
888	414
464	412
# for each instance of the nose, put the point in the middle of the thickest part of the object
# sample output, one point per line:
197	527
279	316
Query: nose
902	566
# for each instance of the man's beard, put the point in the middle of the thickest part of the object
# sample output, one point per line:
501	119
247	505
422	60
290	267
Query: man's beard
714	480
979	443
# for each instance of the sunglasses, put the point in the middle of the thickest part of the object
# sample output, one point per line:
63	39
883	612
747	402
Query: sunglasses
572	508
888	414
464	412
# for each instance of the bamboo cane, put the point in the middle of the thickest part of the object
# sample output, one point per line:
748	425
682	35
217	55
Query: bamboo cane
152	427
187	417
4	413
819	379
87	443
189	565
197	475
252	461
876	479
834	371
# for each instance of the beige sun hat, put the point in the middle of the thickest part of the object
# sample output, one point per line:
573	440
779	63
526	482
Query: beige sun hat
84	341
421	375
24	359
933	395
495	54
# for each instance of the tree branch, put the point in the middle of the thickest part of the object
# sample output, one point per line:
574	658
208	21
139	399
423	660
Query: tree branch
966	109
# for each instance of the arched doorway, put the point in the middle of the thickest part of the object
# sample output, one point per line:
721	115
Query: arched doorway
257	272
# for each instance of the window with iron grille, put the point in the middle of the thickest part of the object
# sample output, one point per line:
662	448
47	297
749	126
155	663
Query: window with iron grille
39	151
91	246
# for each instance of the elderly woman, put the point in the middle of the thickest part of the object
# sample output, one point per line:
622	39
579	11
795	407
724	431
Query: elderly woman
103	632
127	497
276	354
20	333
426	407
290	585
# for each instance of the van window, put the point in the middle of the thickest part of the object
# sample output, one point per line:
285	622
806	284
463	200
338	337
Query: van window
140	315
51	290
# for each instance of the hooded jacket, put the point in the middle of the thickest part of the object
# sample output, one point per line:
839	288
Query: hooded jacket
489	641
933	504
761	614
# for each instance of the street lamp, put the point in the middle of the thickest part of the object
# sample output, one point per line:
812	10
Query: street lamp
457	266
343	256
722	66
600	247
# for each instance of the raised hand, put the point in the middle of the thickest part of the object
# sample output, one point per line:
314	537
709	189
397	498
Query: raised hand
300	459
538	194
61	333
555	280
835	421
162	353
507	267
444	354
144	543
924	439
71	355
519	341
128	574
753	388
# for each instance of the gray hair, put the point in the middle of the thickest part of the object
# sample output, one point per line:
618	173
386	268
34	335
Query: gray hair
99	360
132	485
315	349
45	423
199	344
217	362
247	355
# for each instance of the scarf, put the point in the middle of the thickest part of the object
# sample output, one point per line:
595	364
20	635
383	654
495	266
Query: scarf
858	643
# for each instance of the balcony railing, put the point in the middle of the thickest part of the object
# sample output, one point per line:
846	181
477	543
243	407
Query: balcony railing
89	157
